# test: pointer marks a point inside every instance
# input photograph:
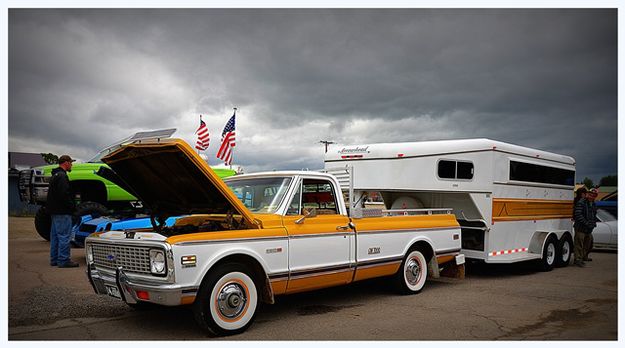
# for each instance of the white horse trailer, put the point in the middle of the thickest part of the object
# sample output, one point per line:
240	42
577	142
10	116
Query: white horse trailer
514	203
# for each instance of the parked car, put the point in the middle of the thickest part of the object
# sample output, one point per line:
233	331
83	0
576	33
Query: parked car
609	203
89	225
605	235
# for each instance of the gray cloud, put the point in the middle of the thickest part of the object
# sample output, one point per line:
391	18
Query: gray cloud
544	78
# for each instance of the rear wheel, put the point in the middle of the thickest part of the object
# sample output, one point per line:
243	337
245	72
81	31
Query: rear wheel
565	249
227	300
549	255
43	223
411	276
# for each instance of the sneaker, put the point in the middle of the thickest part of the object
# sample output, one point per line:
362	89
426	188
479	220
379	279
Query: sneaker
52	264
579	264
69	264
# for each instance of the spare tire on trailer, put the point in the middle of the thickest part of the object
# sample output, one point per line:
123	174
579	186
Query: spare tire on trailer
43	223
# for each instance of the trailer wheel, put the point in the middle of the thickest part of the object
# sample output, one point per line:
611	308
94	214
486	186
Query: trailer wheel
549	258
411	276
565	249
227	300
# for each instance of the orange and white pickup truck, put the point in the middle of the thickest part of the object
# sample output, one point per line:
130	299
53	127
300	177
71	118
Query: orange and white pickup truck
253	237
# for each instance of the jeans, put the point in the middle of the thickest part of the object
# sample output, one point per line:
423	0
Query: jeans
60	236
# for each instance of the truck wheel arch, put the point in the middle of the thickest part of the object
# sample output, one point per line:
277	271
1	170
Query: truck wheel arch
260	274
425	247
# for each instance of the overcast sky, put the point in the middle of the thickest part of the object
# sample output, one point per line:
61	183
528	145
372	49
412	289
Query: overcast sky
81	79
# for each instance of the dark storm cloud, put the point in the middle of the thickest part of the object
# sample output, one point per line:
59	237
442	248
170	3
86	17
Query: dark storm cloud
80	79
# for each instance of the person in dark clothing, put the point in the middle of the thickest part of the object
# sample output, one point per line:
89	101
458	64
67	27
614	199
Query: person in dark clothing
60	205
585	218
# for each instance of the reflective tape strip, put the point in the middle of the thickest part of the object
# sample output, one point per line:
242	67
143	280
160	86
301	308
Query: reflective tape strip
510	251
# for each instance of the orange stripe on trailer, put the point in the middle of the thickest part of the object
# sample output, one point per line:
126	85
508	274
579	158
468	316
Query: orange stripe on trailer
514	209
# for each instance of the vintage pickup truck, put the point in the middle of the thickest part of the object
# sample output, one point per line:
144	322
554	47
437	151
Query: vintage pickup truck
251	237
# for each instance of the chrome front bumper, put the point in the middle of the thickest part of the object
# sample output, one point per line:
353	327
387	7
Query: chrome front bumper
164	294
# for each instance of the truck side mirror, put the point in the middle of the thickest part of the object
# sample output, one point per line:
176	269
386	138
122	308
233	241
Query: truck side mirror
307	213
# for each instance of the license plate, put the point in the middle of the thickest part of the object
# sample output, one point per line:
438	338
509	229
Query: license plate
113	291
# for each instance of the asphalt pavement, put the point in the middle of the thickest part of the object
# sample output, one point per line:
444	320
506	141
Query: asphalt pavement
494	302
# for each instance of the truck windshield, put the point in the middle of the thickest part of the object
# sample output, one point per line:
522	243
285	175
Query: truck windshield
260	195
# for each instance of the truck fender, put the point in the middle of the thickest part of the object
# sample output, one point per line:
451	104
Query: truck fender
433	269
266	293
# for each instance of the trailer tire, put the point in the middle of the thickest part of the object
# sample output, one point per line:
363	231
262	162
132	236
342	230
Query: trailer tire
550	256
227	300
43	223
412	274
565	250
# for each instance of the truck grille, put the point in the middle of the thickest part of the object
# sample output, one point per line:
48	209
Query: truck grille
130	258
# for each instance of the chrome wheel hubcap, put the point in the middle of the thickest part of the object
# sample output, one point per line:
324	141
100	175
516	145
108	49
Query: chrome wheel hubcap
551	253
413	271
565	251
231	300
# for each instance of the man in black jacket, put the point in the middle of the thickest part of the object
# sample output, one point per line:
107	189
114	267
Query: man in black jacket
585	217
60	205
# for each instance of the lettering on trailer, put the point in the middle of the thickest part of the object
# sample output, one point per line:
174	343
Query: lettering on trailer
510	251
354	150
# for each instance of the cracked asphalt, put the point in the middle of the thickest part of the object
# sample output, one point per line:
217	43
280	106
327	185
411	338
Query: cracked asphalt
494	302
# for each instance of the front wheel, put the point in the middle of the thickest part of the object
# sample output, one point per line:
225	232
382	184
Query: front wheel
411	276
227	300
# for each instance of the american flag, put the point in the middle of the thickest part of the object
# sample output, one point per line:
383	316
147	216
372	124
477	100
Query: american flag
227	141
202	136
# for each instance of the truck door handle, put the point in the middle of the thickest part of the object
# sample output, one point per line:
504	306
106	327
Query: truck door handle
349	226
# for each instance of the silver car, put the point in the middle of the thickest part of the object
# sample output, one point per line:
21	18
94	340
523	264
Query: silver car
605	235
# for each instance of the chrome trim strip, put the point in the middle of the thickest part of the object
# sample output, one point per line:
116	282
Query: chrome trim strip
237	240
320	273
322	234
444	252
407	230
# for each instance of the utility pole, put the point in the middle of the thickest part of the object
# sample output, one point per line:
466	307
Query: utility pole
326	142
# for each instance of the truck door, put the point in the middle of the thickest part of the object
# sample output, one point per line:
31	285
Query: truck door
319	246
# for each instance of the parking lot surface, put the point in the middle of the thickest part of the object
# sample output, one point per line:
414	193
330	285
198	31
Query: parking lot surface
494	302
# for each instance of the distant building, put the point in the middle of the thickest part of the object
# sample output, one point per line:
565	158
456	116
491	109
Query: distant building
19	161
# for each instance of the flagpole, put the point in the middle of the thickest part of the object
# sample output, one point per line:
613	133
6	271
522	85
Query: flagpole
232	156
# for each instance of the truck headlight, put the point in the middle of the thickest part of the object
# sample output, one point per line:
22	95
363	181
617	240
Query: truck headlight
89	253
157	261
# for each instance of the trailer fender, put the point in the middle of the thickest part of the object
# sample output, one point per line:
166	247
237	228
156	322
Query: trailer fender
537	243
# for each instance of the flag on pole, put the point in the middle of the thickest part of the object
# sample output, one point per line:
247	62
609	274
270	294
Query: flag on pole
227	141
203	137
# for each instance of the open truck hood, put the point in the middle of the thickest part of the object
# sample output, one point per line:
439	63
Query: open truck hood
171	179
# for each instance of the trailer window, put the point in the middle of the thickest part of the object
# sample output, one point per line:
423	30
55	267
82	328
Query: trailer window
528	172
455	170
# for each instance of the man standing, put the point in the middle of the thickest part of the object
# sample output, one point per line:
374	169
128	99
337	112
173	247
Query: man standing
591	197
585	222
60	205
